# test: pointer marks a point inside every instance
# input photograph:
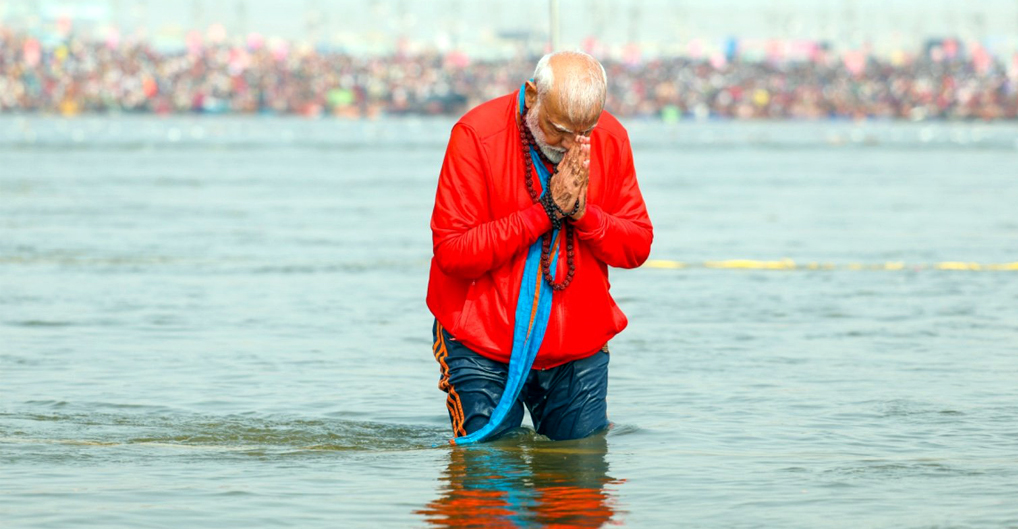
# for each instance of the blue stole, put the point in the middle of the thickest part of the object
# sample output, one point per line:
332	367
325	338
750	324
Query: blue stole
533	309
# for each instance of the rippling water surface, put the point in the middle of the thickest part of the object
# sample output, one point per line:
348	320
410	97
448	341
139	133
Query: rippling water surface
221	323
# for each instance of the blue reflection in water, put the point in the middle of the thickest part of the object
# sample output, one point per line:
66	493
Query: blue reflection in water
510	483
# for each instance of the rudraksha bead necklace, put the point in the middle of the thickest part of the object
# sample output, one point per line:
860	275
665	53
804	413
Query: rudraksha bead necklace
527	140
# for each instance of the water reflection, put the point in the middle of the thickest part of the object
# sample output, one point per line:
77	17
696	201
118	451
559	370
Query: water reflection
526	483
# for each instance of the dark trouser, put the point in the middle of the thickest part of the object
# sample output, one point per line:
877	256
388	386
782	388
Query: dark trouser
565	402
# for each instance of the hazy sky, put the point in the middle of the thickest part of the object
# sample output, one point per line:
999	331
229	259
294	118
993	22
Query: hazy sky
478	24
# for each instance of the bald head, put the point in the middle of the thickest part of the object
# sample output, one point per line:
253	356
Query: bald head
564	101
575	82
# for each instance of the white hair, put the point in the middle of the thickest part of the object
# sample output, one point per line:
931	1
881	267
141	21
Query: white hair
582	96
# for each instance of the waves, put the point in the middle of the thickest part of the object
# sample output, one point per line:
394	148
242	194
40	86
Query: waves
235	433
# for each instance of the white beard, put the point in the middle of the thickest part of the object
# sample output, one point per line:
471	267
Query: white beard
554	154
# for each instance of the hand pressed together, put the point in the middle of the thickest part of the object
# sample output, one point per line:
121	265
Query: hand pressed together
569	185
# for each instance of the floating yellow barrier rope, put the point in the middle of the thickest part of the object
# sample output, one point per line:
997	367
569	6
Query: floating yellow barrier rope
788	264
784	264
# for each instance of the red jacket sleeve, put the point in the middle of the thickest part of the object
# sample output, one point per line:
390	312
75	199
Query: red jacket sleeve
620	232
467	241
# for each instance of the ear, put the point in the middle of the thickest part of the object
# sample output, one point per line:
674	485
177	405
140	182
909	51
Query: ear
530	98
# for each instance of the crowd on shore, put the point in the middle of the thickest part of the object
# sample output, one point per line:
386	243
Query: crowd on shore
82	76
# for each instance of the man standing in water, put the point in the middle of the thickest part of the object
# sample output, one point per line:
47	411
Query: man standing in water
536	199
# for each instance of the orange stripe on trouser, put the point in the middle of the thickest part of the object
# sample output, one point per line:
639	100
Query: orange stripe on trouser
452	402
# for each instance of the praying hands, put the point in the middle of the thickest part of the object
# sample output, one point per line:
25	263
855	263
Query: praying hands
569	185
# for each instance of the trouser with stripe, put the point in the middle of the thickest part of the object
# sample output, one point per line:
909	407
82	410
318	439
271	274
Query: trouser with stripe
565	402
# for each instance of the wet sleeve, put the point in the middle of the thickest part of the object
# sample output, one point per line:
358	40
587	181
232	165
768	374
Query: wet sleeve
467	242
619	232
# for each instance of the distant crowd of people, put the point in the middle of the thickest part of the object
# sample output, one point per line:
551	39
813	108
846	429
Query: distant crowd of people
83	76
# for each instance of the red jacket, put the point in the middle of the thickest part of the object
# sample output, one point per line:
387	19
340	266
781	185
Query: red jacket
484	221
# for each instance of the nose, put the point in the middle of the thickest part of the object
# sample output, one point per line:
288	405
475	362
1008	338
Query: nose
567	141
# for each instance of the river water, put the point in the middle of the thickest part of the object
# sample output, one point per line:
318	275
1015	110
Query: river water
220	322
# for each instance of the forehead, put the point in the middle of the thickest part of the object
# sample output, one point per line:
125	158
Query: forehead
556	113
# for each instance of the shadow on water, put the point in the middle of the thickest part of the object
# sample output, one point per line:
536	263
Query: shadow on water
525	482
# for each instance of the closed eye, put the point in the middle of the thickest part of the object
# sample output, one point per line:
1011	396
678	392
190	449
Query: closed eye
564	130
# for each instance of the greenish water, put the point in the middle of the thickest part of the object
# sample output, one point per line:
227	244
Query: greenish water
221	323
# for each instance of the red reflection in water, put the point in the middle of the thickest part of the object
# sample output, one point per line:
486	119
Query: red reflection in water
541	484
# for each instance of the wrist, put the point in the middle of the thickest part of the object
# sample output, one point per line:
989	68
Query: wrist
552	210
573	211
589	219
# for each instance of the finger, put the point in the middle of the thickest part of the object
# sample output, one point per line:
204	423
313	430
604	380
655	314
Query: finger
573	153
584	154
584	174
567	157
565	167
582	197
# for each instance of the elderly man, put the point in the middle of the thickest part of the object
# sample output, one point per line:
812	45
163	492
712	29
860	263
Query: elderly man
536	199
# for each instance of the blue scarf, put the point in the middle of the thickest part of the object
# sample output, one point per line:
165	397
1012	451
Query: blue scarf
533	309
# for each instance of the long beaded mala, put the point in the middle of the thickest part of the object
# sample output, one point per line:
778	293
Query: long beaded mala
550	207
